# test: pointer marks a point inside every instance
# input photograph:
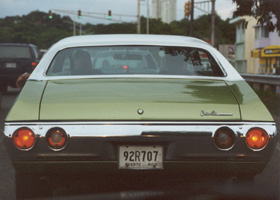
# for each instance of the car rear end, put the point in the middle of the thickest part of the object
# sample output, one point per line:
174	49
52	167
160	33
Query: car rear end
135	133
142	119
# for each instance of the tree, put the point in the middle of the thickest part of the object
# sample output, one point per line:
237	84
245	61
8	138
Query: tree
263	10
37	28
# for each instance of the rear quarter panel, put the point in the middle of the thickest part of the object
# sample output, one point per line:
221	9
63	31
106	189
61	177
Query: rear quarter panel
251	107
27	104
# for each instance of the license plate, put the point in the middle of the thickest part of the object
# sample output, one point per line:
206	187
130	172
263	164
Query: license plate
140	157
11	65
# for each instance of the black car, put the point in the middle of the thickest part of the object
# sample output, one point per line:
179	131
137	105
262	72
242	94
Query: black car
16	59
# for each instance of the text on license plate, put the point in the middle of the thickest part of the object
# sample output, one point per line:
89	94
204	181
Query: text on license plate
11	65
141	157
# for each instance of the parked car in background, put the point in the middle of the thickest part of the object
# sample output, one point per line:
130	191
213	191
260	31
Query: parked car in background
134	106
16	59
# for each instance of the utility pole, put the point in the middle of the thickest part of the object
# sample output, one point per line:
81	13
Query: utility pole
148	16
191	22
74	27
213	23
138	18
167	11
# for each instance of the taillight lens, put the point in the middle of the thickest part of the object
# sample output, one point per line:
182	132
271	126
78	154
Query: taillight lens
34	64
24	138
56	138
224	138
257	138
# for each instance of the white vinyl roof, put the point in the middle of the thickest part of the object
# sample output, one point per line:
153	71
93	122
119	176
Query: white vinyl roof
131	39
128	39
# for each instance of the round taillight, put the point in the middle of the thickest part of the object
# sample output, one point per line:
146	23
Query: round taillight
34	64
257	138
24	138
56	138
224	138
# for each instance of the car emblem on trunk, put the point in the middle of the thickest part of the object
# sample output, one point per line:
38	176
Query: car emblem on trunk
214	113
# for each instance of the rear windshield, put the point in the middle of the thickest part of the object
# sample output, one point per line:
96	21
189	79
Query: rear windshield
14	52
134	60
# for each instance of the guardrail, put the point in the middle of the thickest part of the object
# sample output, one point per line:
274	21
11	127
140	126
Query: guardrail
263	79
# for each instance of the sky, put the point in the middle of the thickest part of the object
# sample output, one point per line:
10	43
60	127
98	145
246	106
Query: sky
224	8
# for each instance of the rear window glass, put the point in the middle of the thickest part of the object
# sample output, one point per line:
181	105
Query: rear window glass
134	60
14	52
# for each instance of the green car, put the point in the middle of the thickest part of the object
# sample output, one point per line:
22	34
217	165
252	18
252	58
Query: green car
138	104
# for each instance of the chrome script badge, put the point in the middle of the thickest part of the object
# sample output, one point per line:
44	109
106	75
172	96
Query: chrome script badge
214	113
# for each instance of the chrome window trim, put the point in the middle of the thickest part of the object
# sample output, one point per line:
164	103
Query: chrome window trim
207	51
137	128
78	77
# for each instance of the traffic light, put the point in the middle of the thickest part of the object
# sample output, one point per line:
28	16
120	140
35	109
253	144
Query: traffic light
79	14
187	8
50	14
109	14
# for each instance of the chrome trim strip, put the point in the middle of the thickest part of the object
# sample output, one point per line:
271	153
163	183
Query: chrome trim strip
123	129
140	123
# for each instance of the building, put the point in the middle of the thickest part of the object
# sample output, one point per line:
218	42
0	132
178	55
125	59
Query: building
228	51
164	10
257	50
266	52
244	43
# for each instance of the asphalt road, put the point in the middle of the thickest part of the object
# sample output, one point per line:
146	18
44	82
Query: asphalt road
7	174
266	185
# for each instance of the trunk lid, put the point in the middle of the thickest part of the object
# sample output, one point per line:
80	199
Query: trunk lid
121	98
